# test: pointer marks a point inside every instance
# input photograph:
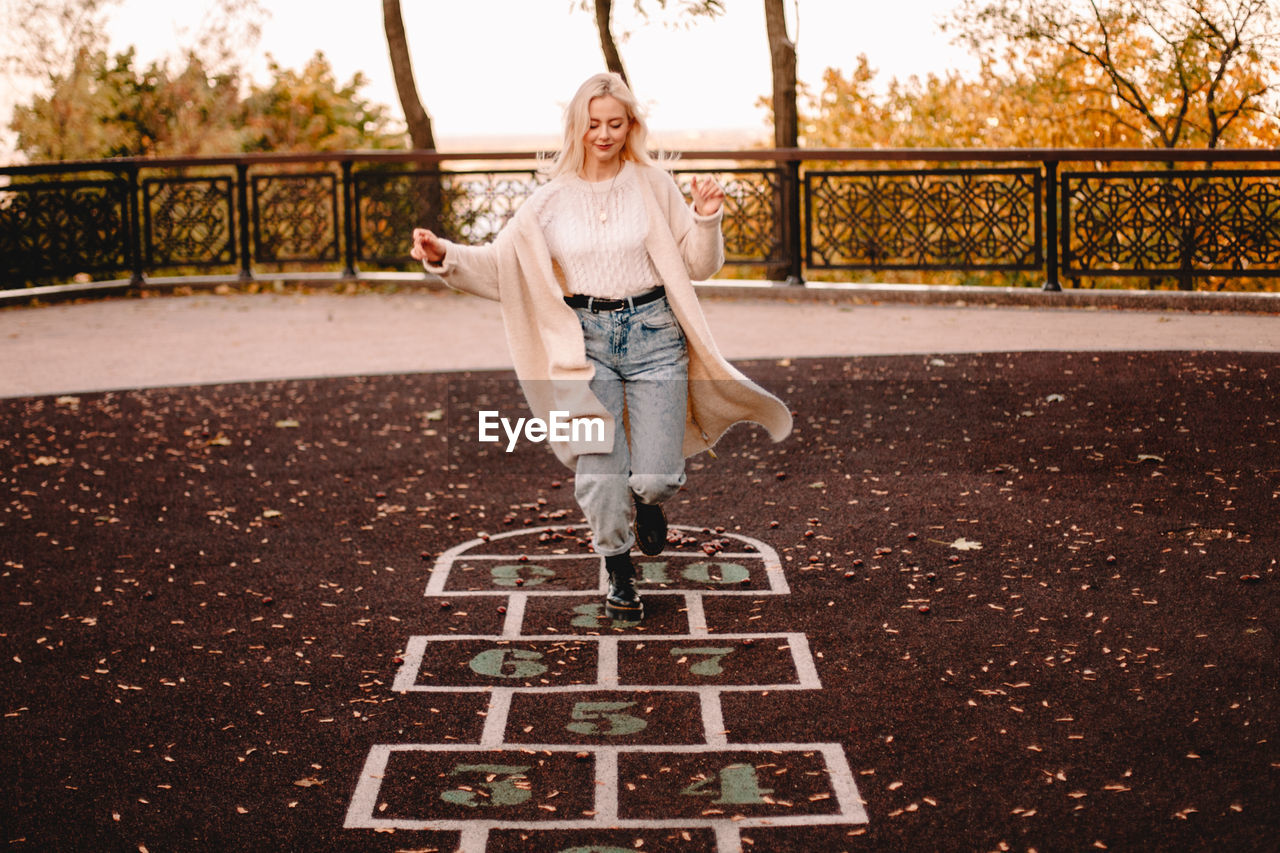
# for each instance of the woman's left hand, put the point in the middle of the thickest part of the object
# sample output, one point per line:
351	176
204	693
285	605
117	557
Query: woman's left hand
707	196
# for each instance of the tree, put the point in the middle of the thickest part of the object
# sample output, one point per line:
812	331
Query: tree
782	54
110	108
421	133
47	39
308	110
1177	73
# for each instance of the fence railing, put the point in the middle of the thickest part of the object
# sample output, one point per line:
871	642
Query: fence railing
1050	215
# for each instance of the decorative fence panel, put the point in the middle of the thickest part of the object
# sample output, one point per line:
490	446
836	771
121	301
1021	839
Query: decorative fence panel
1181	224
73	226
924	219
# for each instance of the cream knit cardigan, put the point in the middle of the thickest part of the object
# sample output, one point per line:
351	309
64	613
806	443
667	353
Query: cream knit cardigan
545	337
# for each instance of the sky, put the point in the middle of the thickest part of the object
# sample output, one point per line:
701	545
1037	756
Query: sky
505	68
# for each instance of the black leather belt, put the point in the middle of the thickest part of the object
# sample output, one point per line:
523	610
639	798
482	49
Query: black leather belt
594	303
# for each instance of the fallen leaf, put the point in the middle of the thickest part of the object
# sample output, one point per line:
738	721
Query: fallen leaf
288	423
963	544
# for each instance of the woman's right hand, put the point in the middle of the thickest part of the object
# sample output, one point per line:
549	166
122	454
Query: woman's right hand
427	247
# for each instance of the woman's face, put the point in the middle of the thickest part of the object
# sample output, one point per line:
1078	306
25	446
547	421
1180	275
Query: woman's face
607	130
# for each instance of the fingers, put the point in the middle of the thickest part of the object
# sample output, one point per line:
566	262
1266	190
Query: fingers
426	245
707	195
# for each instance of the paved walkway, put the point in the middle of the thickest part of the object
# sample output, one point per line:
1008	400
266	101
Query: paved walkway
207	338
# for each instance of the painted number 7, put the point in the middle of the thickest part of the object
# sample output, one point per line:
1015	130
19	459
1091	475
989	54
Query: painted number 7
504	785
710	666
604	718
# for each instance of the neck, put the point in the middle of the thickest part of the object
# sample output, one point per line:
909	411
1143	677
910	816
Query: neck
594	171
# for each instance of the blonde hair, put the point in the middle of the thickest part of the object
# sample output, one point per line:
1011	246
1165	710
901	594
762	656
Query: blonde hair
577	120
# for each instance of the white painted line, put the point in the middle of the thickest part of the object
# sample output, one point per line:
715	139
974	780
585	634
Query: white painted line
606	786
495	720
514	622
475	838
846	790
697	616
728	839
586	592
803	658
591	687
607	662
407	676
712	717
440	571
365	798
596	638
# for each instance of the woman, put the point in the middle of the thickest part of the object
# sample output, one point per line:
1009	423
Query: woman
593	273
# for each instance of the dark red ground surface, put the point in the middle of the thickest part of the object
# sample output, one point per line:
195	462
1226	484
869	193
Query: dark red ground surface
204	592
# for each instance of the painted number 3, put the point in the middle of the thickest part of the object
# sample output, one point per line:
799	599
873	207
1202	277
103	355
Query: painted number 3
499	785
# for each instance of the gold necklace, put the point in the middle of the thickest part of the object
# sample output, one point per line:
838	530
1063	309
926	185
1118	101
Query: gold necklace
604	210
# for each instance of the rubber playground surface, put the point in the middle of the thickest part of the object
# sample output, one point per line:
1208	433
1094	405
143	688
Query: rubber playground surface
1003	601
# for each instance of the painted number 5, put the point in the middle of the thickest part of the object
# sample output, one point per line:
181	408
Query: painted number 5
604	718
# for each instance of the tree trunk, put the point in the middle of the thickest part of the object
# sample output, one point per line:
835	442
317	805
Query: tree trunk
782	52
430	201
415	115
604	25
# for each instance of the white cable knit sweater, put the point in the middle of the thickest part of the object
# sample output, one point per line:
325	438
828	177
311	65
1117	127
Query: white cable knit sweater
596	234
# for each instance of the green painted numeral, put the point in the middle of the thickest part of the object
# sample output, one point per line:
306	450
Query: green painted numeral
590	715
705	572
654	572
508	663
710	666
506	786
724	573
592	615
517	574
738	785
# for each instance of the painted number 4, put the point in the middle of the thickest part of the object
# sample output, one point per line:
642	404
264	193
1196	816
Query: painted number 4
710	666
735	785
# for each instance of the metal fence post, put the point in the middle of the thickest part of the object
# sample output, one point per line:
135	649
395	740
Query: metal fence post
136	279
242	211
792	228
348	221
1051	226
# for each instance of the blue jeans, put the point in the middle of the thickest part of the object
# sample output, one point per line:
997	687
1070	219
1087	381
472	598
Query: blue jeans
642	369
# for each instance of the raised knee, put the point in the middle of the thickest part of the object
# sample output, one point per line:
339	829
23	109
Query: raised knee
656	488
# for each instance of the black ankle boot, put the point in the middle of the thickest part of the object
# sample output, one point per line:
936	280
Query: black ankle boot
622	602
651	527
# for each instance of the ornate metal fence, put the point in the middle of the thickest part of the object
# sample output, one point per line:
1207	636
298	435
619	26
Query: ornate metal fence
163	222
1182	224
